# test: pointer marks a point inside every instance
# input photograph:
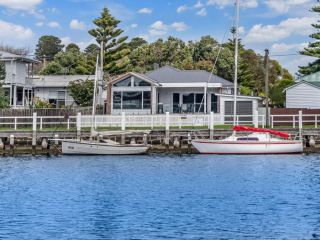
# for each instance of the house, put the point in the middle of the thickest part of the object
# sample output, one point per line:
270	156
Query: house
305	93
168	89
18	81
54	88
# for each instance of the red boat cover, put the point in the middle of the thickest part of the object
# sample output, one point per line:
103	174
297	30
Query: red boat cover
263	130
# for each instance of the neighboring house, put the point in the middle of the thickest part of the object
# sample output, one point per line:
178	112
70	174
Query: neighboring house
305	93
168	89
18	84
54	88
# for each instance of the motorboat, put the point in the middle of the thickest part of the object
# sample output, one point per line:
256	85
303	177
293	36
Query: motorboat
259	141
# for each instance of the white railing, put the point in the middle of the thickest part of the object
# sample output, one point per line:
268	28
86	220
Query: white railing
163	121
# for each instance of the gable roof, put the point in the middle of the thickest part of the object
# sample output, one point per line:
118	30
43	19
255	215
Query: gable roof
6	56
314	77
169	74
137	75
313	84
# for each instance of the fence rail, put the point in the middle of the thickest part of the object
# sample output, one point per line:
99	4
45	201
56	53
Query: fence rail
163	121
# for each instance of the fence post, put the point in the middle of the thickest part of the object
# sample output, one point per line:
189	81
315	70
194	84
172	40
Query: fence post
79	125
211	124
294	121
15	123
272	122
152	123
316	122
68	124
40	123
300	124
123	121
34	133
256	118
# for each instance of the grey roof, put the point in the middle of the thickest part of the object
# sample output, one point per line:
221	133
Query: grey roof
169	74
57	80
315	77
6	56
312	83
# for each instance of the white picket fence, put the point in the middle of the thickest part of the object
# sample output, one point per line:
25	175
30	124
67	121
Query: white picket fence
164	121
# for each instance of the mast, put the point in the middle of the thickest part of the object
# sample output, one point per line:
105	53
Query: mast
235	81
93	116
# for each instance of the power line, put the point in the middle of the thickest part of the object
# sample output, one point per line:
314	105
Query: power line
285	55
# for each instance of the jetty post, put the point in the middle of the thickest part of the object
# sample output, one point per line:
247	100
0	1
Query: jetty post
167	137
11	141
211	124
300	124
79	126
123	127
34	133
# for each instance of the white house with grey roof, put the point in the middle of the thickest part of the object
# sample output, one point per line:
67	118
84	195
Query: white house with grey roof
168	89
54	88
305	93
18	81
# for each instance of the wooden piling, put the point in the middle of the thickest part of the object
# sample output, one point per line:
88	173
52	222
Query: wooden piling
11	142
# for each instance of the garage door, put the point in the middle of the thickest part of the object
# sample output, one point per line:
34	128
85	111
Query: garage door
243	108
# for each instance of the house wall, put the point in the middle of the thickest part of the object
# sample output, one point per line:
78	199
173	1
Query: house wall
303	96
44	93
166	96
16	72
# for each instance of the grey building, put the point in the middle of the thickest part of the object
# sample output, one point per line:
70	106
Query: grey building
18	81
168	89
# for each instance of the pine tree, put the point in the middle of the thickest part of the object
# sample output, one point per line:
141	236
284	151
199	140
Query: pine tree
3	98
313	49
116	49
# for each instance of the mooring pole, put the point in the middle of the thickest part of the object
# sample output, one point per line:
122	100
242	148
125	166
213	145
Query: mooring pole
266	83
34	133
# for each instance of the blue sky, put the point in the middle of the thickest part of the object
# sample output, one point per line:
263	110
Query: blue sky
282	26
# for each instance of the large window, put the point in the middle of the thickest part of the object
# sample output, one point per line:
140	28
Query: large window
176	103
141	83
199	103
124	83
132	100
214	103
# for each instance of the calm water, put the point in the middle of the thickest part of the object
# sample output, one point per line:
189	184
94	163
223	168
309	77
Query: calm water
160	197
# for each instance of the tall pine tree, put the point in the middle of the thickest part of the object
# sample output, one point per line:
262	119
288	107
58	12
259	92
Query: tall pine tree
3	98
313	49
115	47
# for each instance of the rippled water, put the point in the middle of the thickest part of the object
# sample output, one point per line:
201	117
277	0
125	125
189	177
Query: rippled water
160	197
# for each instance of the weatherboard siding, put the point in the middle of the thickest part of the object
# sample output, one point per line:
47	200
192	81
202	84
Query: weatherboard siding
303	96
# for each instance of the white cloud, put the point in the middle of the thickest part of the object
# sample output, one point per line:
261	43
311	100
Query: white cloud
241	30
285	48
145	11
53	24
182	9
273	33
179	26
224	3
283	6
77	25
82	44
39	24
134	25
199	4
158	28
10	32
25	5
202	12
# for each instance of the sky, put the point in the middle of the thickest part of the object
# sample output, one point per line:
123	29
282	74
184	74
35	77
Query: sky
282	26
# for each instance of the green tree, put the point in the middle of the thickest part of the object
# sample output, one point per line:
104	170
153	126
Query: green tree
277	96
114	44
41	103
92	50
4	101
72	47
48	46
82	92
136	42
313	50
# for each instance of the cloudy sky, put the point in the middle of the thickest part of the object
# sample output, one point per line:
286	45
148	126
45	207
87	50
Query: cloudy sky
282	26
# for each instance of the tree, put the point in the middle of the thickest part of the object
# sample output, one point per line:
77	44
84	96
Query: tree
82	92
313	50
92	50
136	42
72	47
48	46
114	45
41	103
4	101
277	96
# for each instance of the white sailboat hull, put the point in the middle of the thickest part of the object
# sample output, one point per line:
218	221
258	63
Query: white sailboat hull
92	148
234	147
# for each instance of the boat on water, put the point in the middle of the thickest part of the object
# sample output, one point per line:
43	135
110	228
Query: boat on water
74	147
259	141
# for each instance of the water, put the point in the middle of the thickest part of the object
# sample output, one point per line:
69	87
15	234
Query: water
160	197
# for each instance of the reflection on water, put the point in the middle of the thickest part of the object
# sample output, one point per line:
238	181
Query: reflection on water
160	197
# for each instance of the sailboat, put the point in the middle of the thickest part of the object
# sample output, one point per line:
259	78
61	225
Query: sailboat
100	147
259	141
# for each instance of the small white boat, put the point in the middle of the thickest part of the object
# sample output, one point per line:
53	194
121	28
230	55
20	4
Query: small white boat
259	142
74	147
